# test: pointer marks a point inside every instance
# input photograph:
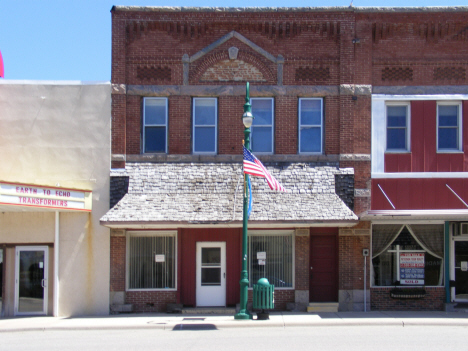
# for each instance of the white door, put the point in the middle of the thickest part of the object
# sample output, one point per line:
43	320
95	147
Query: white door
31	280
211	274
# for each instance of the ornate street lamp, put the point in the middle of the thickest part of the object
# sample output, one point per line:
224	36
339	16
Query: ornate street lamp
247	119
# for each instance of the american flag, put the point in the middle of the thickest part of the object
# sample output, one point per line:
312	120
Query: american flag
253	166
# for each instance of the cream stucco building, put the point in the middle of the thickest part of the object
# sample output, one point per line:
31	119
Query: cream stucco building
54	187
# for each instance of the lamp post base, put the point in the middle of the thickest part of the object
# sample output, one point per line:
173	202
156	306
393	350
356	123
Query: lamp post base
243	315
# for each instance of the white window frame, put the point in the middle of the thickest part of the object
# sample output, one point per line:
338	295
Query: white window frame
272	126
215	125
293	248
127	257
301	126
460	127
408	127
165	125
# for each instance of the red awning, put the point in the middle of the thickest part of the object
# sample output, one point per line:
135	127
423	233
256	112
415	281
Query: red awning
419	194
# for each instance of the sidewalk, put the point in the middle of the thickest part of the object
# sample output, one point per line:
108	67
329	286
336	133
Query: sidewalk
212	322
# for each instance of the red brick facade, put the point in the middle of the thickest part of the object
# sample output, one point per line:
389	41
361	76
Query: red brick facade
342	55
432	301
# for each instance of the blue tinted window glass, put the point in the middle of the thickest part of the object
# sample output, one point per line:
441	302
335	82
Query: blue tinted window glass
448	116
155	139
262	110
311	112
205	139
261	139
396	121
311	140
396	116
448	121
396	139
205	111
155	111
448	138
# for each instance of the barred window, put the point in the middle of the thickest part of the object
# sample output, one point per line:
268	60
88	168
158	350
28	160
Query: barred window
278	265
151	261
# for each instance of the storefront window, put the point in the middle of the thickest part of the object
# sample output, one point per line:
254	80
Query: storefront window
407	255
271	257
151	261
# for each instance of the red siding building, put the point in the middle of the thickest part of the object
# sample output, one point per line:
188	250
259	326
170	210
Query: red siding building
359	113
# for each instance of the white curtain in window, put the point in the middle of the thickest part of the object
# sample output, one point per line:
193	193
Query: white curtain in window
430	237
383	235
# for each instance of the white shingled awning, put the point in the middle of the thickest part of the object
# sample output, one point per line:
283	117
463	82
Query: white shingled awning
181	195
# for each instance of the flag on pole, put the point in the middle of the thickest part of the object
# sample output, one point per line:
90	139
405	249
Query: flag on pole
253	166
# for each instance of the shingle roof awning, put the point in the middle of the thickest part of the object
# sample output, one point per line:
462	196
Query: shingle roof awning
212	193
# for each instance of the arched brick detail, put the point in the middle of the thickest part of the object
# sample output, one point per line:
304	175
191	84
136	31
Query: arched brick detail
218	57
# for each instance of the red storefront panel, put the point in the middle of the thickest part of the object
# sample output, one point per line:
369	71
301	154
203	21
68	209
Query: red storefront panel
188	239
419	194
424	156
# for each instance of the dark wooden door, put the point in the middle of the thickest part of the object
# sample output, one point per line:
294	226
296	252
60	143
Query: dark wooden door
323	282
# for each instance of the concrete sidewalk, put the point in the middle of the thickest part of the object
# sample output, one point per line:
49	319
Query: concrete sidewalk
213	322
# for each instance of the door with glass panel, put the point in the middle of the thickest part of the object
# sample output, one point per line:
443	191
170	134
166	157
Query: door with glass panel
211	274
31	280
461	270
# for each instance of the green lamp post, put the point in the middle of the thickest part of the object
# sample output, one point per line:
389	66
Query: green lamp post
247	119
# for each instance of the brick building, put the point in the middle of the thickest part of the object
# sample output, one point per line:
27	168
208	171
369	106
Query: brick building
359	113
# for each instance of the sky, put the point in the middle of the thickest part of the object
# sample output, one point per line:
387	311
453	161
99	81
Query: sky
71	39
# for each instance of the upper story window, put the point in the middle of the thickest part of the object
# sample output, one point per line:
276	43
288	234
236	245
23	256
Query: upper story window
262	127
155	125
205	123
310	125
449	131
398	127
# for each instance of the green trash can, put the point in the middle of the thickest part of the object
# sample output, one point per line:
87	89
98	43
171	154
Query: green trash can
263	297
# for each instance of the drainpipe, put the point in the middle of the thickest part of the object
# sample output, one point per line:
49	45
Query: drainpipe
56	264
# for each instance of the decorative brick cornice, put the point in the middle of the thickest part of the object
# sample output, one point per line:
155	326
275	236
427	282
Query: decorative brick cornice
291	9
217	57
224	39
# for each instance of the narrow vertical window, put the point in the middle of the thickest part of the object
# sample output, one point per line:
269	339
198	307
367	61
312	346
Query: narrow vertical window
262	127
449	127
397	128
310	125
155	125
205	122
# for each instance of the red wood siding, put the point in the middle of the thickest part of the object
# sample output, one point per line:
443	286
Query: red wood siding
419	194
187	261
423	156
